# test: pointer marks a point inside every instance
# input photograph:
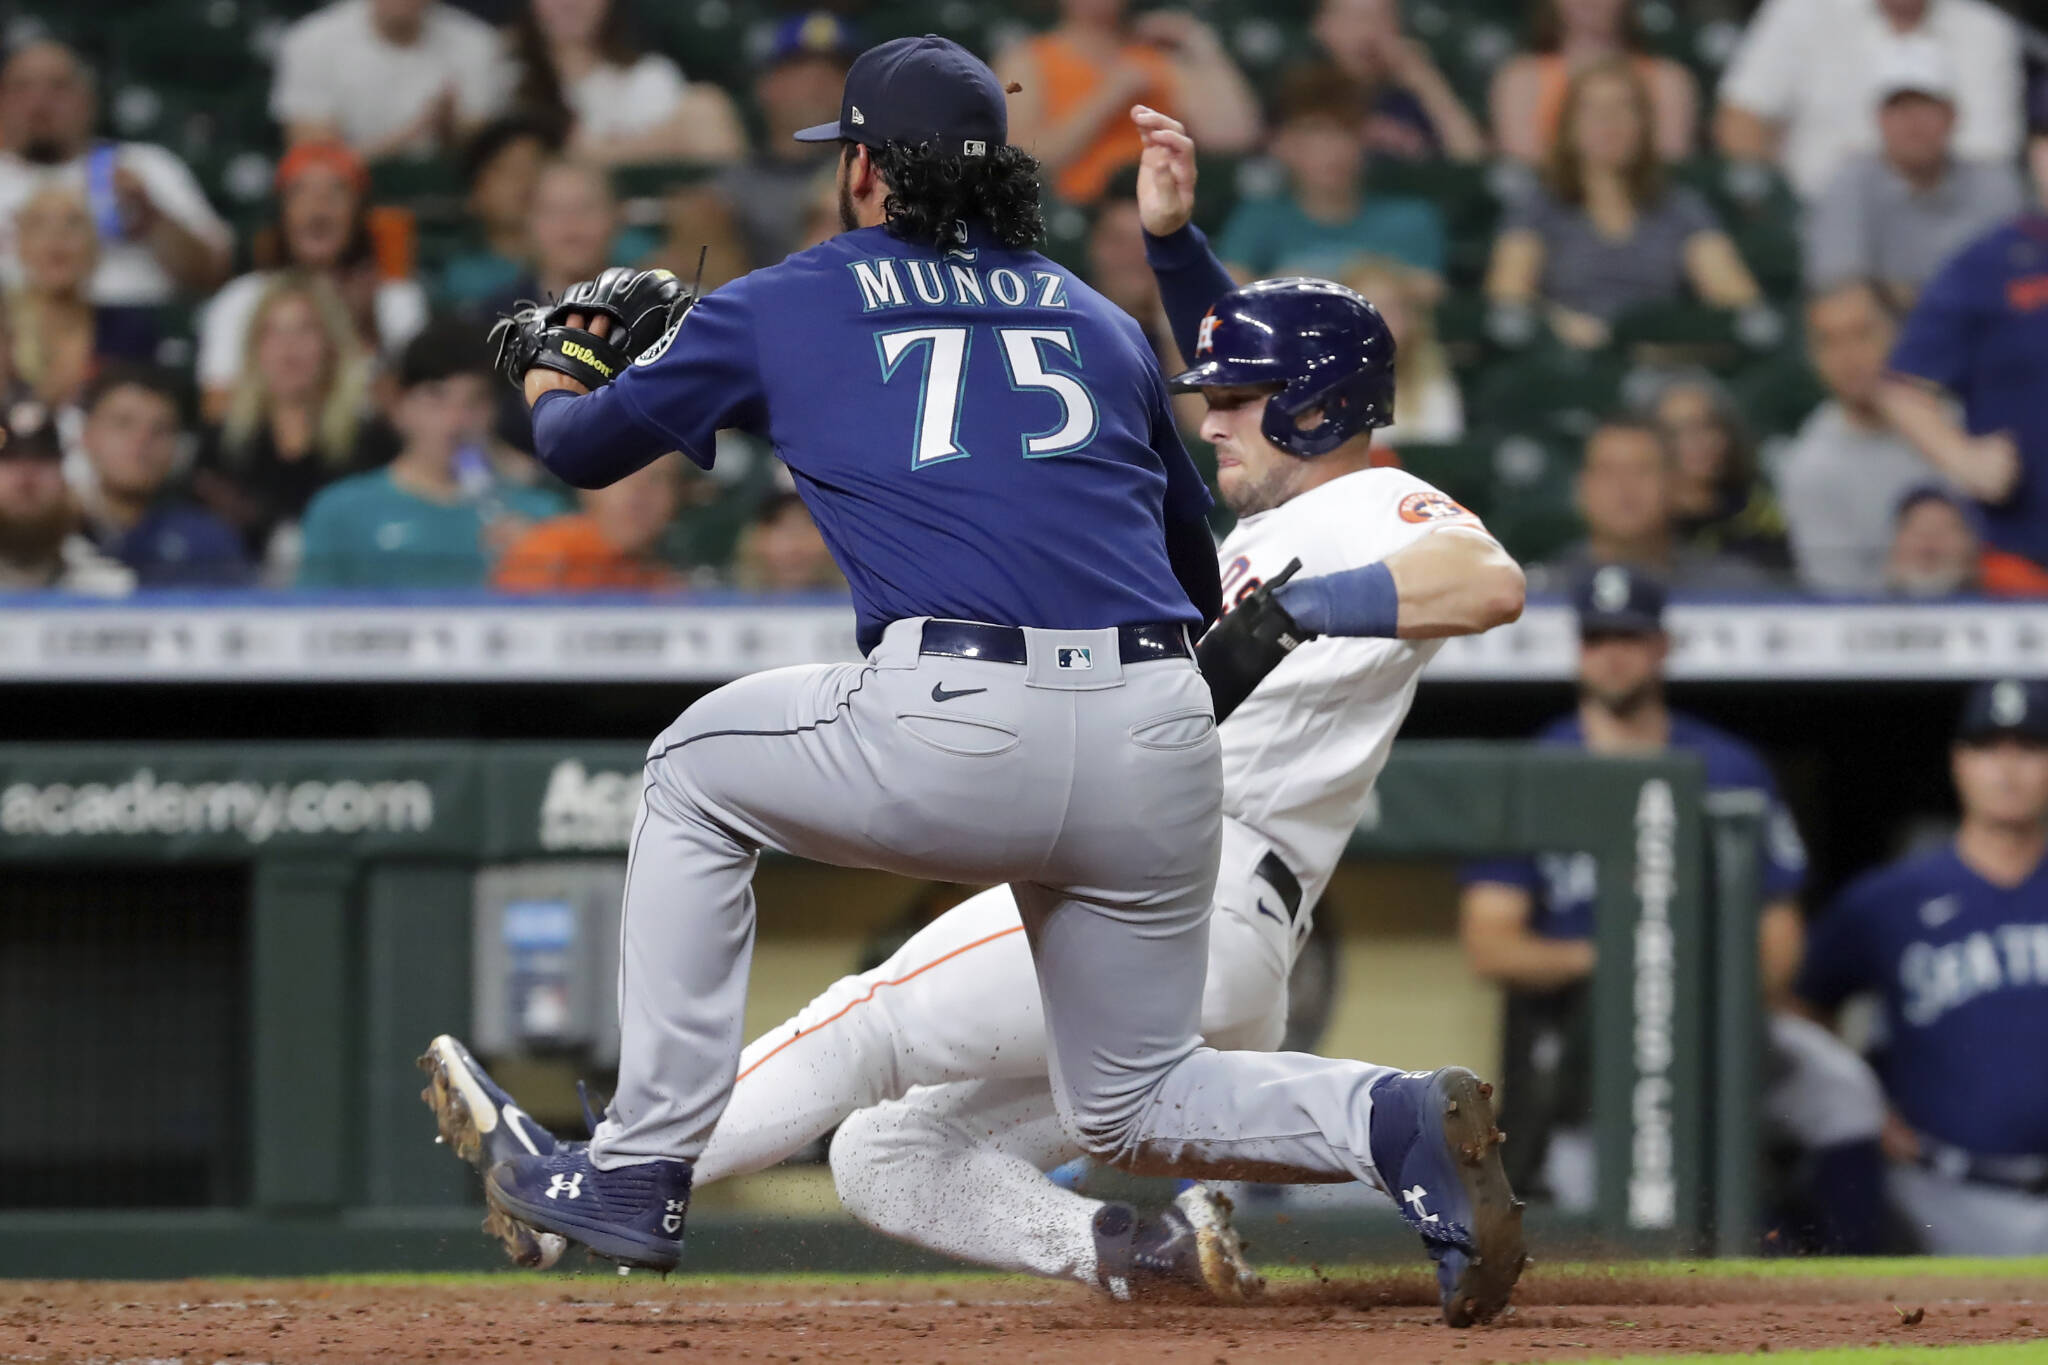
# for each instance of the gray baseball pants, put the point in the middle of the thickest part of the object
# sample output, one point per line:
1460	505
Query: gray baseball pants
1094	791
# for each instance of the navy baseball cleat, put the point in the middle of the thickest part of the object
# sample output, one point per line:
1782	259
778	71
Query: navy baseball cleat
1188	1245
483	1126
632	1215
1437	1149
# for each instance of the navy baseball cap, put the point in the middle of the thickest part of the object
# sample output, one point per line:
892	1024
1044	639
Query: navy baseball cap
818	33
1615	599
913	90
2010	706
27	432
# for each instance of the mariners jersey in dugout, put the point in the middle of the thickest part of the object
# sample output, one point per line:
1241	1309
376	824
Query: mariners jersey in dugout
1961	968
1301	754
977	433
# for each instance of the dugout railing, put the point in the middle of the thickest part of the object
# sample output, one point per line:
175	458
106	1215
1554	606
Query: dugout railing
360	864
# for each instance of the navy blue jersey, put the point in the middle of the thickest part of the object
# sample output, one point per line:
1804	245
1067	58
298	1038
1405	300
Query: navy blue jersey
1980	330
1962	968
1564	885
977	433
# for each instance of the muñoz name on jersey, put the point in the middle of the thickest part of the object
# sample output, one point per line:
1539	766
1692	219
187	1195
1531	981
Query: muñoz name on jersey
957	281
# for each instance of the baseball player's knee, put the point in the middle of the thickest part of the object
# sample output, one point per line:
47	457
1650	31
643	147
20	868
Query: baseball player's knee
867	1156
1108	1124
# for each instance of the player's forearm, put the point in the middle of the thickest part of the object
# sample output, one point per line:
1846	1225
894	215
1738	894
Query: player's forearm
592	440
1455	582
1191	279
1529	962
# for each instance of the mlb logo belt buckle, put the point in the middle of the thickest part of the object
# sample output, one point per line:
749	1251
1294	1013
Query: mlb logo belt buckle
1076	657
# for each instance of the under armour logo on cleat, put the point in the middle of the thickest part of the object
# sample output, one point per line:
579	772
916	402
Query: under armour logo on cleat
672	1221
1415	1197
571	1185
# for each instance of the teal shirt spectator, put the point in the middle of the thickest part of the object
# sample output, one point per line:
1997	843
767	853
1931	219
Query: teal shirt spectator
367	532
1273	236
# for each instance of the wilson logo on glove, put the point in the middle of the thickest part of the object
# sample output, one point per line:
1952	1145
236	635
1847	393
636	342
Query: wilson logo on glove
587	356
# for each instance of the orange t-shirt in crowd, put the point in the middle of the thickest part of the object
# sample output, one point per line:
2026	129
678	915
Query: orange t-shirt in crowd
1553	79
567	554
1067	77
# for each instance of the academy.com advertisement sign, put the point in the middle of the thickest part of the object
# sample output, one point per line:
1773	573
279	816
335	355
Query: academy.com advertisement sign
234	802
474	802
255	812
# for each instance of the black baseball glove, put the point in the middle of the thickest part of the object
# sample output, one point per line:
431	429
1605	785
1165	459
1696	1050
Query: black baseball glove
644	307
1248	643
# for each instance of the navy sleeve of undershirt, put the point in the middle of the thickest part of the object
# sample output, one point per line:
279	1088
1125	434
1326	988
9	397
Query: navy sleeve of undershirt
1191	279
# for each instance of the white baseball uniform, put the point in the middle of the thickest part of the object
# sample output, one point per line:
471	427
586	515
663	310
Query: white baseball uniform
935	1063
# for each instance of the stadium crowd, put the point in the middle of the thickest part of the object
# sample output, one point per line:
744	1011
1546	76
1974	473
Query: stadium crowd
1670	291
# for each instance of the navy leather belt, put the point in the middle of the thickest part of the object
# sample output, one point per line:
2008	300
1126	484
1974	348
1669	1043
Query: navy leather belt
2028	1174
1005	644
1285	884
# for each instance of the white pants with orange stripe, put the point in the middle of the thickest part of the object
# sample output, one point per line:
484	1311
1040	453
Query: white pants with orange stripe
935	1066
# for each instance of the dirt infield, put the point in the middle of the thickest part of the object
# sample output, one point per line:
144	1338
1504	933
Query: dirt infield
1388	1320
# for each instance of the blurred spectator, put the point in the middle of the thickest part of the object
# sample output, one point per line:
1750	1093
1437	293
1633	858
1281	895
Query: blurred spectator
1604	233
500	166
576	64
1720	504
130	441
572	227
1950	942
783	552
432	518
388	77
1624	495
1800	89
798	86
1528	923
1324	219
59	339
699	224
1427	406
1411	111
1081	78
1935	550
1896	215
322	228
1979	333
1116	266
1846	470
1532	91
160	236
40	546
610	546
297	418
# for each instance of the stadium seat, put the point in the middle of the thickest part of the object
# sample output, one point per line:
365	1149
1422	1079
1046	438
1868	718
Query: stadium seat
1776	393
1761	215
1461	194
1550	390
1463	469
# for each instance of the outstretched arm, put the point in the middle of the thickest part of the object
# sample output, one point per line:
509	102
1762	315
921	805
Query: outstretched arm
1190	277
1451	582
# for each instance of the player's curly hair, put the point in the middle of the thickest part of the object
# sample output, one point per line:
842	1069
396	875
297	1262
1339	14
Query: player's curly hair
930	192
